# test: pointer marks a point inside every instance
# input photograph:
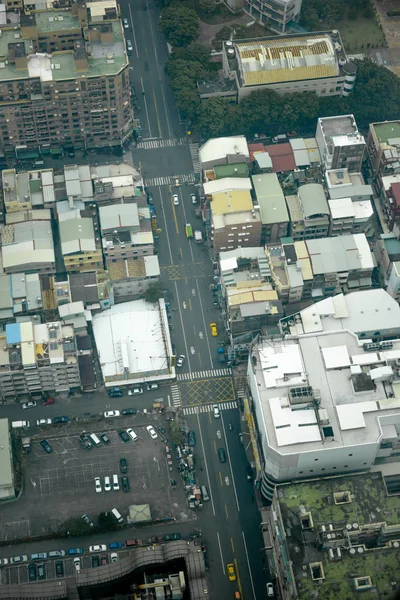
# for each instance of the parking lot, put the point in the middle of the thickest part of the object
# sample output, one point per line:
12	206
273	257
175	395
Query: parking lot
61	484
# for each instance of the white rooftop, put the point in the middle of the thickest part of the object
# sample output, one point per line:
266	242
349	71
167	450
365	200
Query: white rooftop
226	183
219	148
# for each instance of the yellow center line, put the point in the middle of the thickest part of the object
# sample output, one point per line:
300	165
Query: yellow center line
190	304
238	578
209	416
175	219
158	118
233	546
215	447
220	477
226	512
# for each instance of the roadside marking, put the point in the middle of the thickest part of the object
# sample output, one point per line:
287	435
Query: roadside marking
220	478
157	115
190	304
133	32
226	512
238	579
233	546
230	464
248	566
220	551
215	447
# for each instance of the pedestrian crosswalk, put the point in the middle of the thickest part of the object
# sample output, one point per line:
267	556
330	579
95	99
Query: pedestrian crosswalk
204	374
204	408
128	158
194	152
169	179
150	144
176	396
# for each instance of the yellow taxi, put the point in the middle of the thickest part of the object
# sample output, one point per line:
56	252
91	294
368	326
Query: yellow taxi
231	572
214	330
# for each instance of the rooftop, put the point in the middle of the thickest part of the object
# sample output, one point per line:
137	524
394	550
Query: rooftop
232	201
329	372
270	198
216	149
119	216
340	254
325	514
225	184
77	235
282	157
387	131
6	467
339	125
286	58
313	200
232	170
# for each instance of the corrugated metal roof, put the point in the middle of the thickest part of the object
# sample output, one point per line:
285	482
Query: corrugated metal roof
231	202
77	235
270	198
313	200
6	300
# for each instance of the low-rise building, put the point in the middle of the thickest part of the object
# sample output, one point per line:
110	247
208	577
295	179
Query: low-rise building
351	217
27	243
223	151
37	358
340	143
80	248
291	270
271	203
370	314
131	277
309	212
339	544
7	490
343	184
383	144
325	404
299	62
20	294
27	190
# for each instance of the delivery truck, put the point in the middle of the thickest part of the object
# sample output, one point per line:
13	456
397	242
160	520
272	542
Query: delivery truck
198	236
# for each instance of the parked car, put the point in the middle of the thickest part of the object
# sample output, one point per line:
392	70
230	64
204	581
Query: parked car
125	23
180	361
152	386
115	545
123	465
47	401
216	412
55	553
132	434
176	199
111	413
231	572
114	556
152	432
60	420
77	564
249	473
133	543
97	484
270	590
107	484
30	404
39	556
95	561
193	198
32	573
46	446
59	568
16	560
135	391
104	438
221	455
87	520
129	411
3	562
40	422
125	484
129	47
104	559
98	548
123	435
73	551
172	536
115	392
41	571
85	441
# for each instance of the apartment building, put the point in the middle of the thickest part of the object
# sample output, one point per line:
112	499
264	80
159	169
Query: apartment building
351	217
27	242
80	248
321	405
309	213
383	145
291	270
274	14
64	82
271	203
300	62
27	190
37	358
340	143
20	295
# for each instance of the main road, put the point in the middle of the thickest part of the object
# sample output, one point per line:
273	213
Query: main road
230	521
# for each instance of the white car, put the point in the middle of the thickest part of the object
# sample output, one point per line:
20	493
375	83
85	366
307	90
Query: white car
194	199
216	411
176	199
152	432
180	361
125	23
129	46
107	484
43	422
77	564
270	590
98	548
135	391
111	413
97	484
30	404
3	562
132	434
114	557
15	560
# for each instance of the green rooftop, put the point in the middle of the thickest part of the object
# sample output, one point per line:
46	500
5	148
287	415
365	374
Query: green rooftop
56	21
353	514
386	131
231	170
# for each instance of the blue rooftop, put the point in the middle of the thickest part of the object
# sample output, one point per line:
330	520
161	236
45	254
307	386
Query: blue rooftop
13	333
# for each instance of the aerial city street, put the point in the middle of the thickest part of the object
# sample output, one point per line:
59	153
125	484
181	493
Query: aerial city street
199	300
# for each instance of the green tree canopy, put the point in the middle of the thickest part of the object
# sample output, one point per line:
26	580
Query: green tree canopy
213	119
179	24
153	293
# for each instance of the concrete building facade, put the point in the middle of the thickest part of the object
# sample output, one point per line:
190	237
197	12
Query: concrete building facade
275	14
340	143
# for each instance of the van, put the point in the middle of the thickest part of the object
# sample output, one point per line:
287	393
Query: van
20	424
93	437
38	163
115	483
117	515
204	493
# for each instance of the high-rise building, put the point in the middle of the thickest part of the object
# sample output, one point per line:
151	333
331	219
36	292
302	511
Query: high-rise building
64	82
340	143
274	14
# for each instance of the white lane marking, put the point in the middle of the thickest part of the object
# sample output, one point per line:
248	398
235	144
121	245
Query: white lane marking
230	464
248	566
133	32
220	551
205	463
145	105
204	323
183	328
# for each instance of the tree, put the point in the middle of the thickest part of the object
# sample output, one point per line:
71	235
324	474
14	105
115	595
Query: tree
207	6
188	102
213	118
107	522
74	526
176	433
179	24
153	293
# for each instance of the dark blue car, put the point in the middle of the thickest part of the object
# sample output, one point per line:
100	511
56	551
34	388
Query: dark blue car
60	419
115	545
73	551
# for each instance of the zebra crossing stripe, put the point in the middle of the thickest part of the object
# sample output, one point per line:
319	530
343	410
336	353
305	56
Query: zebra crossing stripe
204	408
159	143
204	374
170	179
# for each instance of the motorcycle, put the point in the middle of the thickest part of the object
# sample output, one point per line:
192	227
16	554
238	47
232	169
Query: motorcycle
230	427
218	434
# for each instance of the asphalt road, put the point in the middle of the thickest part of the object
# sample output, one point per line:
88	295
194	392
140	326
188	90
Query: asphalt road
230	521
